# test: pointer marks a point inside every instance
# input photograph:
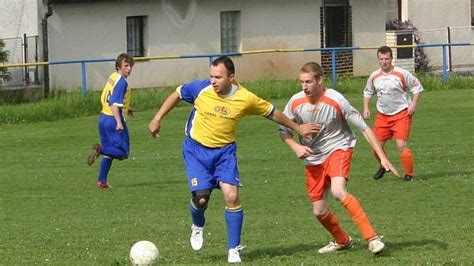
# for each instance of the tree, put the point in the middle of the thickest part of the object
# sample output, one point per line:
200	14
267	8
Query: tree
3	59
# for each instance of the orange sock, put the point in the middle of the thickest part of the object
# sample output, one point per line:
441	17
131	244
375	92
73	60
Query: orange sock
330	222
359	217
407	161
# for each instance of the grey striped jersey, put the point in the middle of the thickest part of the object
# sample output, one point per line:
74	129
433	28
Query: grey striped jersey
333	112
393	89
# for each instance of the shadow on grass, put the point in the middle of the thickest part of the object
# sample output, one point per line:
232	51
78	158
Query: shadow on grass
442	174
249	254
155	183
397	246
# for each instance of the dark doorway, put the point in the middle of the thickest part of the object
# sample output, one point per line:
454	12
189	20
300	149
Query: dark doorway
336	31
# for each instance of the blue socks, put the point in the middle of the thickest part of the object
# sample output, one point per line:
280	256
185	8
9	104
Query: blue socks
105	165
197	215
234	218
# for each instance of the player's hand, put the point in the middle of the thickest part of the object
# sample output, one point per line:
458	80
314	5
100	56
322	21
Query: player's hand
308	130
366	114
389	167
411	109
302	151
154	128
119	126
131	111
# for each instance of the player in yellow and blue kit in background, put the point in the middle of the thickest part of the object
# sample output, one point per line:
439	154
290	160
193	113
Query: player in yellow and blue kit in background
113	130
209	149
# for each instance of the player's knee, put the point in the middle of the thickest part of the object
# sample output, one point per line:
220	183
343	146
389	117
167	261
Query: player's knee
339	193
201	198
232	198
401	146
405	152
320	212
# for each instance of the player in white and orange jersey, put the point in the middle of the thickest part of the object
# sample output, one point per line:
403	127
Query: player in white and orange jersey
395	108
328	154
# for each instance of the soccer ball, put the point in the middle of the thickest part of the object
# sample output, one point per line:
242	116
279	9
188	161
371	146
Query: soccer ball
144	253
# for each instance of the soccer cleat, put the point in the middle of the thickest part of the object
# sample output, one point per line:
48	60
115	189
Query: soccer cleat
234	254
376	245
196	237
94	154
333	247
103	184
408	177
379	174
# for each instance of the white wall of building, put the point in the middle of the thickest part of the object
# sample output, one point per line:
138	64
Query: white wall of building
102	35
18	17
432	19
368	30
98	30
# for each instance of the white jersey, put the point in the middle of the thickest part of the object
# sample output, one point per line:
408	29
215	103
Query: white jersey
392	89
332	112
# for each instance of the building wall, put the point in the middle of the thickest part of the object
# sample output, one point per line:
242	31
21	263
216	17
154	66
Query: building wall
98	30
18	17
429	14
432	22
368	31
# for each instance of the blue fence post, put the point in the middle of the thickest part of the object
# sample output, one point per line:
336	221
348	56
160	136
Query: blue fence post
333	66
445	73
84	78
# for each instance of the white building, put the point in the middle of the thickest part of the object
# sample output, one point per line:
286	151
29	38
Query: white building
99	29
95	29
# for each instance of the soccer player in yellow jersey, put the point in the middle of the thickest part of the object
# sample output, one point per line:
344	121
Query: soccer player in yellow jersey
113	130
209	149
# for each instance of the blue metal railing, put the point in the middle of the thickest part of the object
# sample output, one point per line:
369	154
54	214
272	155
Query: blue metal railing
211	57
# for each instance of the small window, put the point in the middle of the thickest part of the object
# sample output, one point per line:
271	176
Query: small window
230	31
136	35
472	12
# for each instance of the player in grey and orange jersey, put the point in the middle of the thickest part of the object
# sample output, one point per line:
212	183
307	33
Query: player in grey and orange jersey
395	108
328	154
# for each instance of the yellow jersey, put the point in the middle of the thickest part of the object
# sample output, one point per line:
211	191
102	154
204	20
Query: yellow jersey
116	93
214	118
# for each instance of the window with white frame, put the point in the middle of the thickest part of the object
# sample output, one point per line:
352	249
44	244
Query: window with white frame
136	35
230	31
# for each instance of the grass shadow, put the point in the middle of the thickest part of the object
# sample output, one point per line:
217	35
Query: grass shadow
251	254
155	183
398	246
442	174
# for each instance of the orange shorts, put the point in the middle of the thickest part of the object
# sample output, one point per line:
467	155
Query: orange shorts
318	177
392	126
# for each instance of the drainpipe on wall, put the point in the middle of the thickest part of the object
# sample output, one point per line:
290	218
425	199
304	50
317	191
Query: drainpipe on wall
44	25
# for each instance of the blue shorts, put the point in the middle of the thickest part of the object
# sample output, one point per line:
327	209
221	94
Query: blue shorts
115	144
206	167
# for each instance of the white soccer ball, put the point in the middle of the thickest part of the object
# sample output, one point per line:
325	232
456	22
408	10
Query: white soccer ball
144	253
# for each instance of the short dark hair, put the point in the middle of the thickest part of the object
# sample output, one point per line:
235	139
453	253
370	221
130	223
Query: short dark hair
229	65
312	67
123	57
384	50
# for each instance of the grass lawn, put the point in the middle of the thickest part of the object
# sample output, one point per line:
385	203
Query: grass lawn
52	213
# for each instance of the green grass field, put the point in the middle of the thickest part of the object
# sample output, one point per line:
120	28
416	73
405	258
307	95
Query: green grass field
52	213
